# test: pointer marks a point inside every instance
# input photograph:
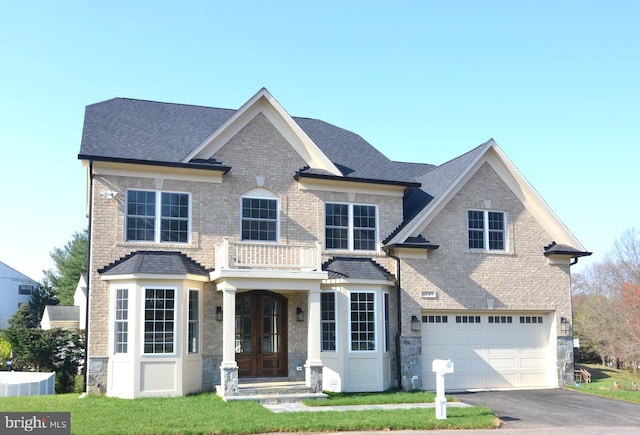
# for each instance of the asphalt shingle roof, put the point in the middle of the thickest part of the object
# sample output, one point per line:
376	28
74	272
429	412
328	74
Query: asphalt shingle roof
155	262
356	268
63	313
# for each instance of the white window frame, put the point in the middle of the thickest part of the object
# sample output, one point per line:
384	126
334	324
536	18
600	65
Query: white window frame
157	229
277	220
375	322
193	324
486	230
124	321
175	320
333	322
386	320
351	227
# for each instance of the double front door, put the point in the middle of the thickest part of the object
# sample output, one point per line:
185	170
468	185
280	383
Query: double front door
261	334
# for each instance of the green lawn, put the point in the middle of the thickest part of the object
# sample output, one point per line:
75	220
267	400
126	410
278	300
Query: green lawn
208	414
602	383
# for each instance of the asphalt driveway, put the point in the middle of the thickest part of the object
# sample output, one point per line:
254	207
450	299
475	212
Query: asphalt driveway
555	409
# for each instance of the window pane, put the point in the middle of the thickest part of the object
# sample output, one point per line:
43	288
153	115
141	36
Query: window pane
194	324
496	230
328	321
158	326
362	324
336	226
364	227
121	326
259	219
174	221
141	210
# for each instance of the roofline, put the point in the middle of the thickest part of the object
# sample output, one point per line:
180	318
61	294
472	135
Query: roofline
428	247
299	175
572	254
198	166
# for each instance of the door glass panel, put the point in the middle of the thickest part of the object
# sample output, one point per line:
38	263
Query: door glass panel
270	325
244	326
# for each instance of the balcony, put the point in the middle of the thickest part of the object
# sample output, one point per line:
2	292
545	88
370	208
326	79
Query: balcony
268	256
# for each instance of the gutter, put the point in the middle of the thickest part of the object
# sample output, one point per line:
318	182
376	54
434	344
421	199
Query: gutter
86	315
399	322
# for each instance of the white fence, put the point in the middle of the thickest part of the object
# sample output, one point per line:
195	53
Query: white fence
27	383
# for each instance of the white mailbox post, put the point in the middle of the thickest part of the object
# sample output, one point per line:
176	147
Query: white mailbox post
441	367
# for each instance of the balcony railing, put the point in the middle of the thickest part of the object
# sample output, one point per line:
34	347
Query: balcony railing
268	256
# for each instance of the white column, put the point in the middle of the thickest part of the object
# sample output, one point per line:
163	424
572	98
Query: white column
228	367
229	326
313	366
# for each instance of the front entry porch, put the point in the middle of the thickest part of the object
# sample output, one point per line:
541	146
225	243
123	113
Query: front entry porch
263	333
273	391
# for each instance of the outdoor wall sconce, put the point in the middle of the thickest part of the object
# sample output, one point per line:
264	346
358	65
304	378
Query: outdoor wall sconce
219	313
415	323
299	314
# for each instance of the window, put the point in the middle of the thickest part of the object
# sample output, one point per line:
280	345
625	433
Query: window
363	325
328	321
121	327
486	230
467	319
193	327
26	290
159	314
157	217
350	227
387	330
260	219
435	319
530	319
500	319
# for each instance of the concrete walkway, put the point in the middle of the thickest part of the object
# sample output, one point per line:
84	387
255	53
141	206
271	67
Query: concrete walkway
299	407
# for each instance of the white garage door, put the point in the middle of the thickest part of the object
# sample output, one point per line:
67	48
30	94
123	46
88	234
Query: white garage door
489	351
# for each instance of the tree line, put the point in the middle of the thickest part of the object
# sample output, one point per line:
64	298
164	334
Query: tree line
606	306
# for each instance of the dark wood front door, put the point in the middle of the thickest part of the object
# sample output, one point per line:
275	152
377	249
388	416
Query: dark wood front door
261	334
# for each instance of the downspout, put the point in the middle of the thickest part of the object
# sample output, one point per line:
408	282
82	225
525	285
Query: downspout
399	322
88	272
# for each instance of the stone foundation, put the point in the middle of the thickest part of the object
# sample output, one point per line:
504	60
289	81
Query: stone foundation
411	363
97	371
566	375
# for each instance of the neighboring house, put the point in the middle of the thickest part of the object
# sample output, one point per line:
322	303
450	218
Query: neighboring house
248	243
60	316
80	300
15	289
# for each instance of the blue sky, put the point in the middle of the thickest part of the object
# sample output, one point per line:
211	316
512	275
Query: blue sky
556	84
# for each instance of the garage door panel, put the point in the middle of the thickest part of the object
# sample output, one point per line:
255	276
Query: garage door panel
489	355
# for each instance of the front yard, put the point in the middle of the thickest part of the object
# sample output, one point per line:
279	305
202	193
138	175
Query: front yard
208	414
603	383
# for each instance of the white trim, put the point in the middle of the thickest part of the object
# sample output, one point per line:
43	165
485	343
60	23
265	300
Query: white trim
351	228
495	157
277	200
375	323
263	102
158	216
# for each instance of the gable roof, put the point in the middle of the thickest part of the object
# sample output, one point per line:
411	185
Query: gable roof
156	263
130	130
441	184
62	313
356	268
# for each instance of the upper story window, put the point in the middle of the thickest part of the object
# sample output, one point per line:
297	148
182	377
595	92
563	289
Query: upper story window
259	219
25	289
350	227
487	230
157	216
